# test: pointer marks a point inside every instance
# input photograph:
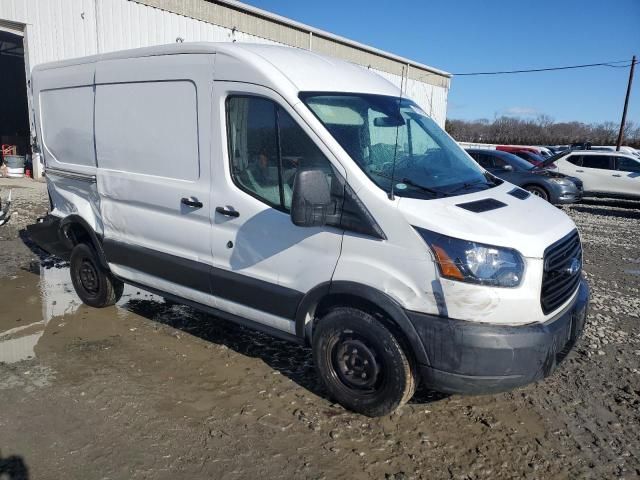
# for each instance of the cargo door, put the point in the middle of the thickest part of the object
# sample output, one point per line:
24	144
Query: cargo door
152	125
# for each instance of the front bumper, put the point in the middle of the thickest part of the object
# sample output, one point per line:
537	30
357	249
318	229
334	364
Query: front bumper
568	195
569	198
473	358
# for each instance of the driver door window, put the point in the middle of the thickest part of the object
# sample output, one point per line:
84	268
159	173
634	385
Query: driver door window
484	160
499	163
625	164
266	148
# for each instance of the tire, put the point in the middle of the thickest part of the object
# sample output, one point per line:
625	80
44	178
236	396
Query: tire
537	191
95	286
361	363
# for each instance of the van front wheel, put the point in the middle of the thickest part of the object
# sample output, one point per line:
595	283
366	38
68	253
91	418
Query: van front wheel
361	363
94	285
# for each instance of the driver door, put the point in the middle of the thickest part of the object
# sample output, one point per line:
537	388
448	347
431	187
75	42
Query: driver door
263	263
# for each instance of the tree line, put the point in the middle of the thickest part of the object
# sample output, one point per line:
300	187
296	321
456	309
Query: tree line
542	130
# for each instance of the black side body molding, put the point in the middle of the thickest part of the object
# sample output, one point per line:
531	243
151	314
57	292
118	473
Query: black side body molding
245	322
235	287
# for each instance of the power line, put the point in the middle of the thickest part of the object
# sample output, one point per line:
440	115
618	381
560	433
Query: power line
549	69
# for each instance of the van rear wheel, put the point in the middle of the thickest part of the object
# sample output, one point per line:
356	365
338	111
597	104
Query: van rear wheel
361	363
95	285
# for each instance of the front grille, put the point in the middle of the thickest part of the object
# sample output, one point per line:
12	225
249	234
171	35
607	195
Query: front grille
559	280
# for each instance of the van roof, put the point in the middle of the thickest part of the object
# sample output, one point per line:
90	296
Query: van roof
305	70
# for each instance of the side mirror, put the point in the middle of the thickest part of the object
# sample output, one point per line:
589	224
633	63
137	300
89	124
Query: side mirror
507	168
311	200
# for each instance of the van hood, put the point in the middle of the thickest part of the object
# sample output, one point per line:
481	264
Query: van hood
529	225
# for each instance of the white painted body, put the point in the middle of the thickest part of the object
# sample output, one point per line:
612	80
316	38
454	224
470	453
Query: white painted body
144	210
615	180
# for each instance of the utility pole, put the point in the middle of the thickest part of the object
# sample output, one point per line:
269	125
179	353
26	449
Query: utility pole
626	104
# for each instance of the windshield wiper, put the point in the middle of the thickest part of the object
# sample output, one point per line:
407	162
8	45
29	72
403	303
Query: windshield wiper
423	188
411	183
468	185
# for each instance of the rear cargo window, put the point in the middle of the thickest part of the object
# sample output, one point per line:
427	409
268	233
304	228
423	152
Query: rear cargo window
149	128
67	125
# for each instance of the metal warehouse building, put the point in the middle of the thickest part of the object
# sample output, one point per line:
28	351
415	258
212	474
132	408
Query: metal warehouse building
37	31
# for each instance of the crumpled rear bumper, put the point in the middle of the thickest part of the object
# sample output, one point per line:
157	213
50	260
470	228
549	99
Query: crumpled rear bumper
473	358
46	234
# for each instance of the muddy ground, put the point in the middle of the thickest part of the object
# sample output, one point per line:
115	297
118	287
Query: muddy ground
147	390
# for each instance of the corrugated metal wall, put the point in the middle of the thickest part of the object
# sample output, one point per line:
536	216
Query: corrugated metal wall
55	29
60	29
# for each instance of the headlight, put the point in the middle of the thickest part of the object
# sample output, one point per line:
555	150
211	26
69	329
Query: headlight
473	262
560	181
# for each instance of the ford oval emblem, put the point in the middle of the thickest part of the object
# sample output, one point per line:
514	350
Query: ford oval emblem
573	267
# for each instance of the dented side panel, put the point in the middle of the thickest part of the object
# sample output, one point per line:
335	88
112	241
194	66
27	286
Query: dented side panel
75	196
64	112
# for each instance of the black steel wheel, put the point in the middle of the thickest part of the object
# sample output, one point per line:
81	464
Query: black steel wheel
537	191
95	285
361	362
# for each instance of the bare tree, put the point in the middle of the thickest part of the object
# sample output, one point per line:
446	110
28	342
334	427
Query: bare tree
541	131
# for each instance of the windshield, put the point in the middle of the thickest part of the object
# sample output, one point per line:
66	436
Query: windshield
428	163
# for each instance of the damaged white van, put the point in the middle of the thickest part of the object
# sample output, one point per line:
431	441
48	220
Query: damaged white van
307	197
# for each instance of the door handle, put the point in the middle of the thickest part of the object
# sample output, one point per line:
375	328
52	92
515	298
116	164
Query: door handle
616	175
227	213
191	202
579	170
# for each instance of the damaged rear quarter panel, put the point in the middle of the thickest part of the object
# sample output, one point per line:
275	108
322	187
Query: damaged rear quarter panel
74	196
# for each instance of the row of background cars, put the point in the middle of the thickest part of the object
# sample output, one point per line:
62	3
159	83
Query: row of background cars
564	174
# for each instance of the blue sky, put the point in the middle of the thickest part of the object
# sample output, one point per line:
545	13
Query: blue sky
469	36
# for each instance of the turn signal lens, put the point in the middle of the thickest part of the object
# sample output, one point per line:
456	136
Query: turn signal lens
447	266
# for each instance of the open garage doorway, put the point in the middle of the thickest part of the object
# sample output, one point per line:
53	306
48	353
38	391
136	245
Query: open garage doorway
14	115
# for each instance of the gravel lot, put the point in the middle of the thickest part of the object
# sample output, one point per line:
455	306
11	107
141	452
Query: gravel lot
151	391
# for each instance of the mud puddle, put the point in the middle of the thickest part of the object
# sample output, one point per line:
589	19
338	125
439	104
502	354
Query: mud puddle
32	297
172	390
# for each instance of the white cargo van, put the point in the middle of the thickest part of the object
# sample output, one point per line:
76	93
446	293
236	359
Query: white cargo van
307	197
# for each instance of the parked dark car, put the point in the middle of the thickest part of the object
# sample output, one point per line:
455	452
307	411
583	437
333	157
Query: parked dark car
534	159
552	186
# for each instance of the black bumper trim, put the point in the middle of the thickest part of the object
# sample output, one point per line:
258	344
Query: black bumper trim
474	358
